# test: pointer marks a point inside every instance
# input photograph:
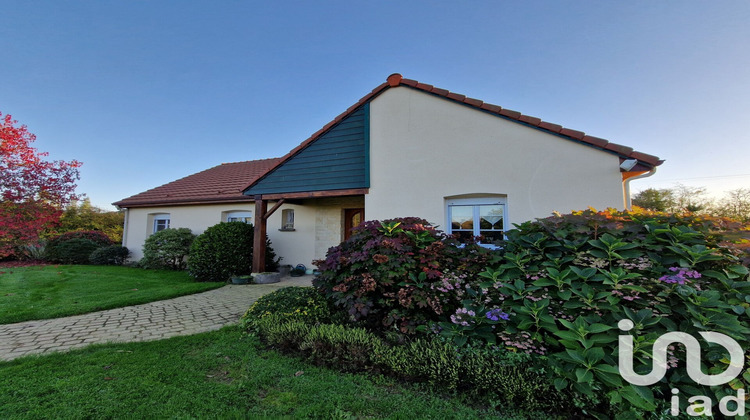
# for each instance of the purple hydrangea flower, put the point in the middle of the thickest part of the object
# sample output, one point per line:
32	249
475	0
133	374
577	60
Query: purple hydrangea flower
680	277
496	315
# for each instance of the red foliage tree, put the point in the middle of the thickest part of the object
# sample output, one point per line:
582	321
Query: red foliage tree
32	189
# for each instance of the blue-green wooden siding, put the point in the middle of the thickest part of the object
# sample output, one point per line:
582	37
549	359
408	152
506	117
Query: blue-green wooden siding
337	160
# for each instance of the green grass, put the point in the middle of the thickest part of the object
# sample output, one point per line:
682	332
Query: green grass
222	374
43	292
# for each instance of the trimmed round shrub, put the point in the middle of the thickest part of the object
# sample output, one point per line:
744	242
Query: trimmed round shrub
224	250
109	255
167	249
72	251
299	303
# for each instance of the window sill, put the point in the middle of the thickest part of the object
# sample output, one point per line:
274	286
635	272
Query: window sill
287	230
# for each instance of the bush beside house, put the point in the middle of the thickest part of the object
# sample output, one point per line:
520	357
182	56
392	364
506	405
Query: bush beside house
109	255
224	250
419	305
167	249
75	247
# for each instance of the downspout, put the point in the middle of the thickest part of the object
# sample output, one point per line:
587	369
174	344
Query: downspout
626	186
125	227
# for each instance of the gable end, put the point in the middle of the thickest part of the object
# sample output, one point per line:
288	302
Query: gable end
336	160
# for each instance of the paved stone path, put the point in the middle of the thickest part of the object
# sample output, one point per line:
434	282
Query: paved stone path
184	315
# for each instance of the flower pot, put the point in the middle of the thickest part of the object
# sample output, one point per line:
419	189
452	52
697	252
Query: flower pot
266	278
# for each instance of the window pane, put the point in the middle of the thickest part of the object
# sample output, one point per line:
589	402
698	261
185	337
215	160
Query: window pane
491	217
462	217
287	219
463	235
491	236
161	224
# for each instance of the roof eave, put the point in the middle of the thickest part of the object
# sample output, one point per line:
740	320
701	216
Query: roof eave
183	202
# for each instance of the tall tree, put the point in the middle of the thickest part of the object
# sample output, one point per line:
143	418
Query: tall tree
82	215
735	205
32	189
691	199
655	199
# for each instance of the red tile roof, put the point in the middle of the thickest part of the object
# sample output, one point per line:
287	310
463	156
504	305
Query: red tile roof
220	184
225	183
645	161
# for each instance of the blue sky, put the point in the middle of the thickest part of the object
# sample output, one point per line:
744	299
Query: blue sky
145	92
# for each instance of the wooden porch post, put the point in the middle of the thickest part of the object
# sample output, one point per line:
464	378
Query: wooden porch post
259	236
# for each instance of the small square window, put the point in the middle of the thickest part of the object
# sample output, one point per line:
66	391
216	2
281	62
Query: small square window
287	219
161	222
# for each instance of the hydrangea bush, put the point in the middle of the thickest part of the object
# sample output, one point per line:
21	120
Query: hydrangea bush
390	274
557	291
567	281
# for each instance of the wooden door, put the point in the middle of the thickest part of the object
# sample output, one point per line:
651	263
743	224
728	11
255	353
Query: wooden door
352	218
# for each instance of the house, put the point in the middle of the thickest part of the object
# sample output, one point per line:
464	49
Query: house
404	149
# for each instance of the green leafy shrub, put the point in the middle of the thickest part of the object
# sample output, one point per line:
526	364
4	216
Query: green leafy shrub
280	332
95	236
34	252
224	250
299	303
508	378
566	282
167	249
345	348
71	251
425	360
348	349
386	274
109	255
58	250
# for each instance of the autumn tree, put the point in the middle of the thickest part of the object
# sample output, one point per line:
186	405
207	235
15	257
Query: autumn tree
32	189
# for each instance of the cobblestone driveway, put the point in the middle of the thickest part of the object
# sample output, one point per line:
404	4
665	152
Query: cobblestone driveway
184	315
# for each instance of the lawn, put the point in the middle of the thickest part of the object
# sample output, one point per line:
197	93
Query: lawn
221	374
42	292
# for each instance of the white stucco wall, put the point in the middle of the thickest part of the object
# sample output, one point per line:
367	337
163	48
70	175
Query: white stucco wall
139	221
424	149
318	225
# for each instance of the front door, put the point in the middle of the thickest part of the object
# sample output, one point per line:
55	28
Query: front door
352	218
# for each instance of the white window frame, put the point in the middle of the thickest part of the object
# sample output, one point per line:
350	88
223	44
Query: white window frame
239	216
475	202
159	219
